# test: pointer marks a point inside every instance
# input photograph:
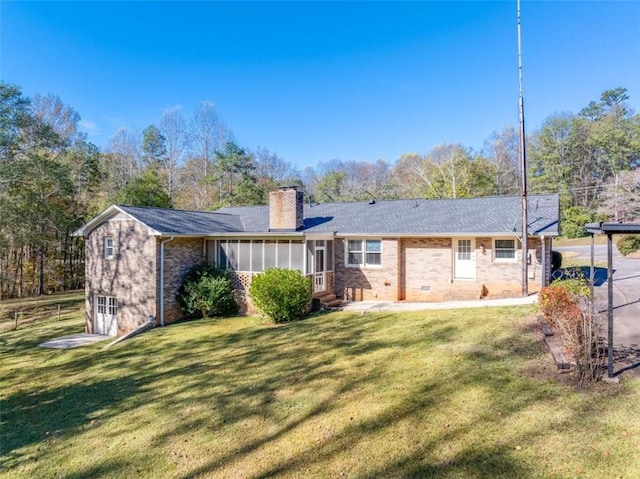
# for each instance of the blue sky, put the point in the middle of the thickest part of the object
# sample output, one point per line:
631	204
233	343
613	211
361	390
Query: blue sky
313	81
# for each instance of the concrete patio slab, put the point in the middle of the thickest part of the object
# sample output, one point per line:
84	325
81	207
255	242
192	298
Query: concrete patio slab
74	341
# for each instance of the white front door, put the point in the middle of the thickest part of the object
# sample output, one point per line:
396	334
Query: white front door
464	259
106	316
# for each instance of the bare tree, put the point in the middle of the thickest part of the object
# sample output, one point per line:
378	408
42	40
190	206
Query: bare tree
208	132
61	118
121	161
501	150
272	171
409	175
174	129
621	196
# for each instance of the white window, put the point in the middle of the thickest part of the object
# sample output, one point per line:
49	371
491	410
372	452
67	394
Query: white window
112	306
108	247
102	305
107	305
364	252
505	250
464	249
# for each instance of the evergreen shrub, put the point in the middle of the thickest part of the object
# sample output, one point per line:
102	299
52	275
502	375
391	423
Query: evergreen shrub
207	291
282	295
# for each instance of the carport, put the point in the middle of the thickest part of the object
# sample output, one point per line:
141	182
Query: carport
609	229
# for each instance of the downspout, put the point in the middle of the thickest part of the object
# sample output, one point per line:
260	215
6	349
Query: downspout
544	261
162	243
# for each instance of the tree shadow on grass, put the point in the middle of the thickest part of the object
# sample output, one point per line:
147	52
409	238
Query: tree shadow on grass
37	416
240	381
423	399
432	394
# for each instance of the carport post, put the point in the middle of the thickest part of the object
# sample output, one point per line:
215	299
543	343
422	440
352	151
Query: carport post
591	270
610	306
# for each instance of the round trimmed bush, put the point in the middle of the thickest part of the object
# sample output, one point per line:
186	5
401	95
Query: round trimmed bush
282	295
207	291
628	244
556	260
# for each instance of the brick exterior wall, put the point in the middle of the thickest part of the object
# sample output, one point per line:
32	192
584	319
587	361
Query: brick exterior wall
365	284
426	273
286	209
180	255
496	279
130	275
422	269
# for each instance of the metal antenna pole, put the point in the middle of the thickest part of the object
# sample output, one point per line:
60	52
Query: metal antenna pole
523	167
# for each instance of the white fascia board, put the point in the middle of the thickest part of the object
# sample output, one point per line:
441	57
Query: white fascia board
412	235
96	220
104	215
212	236
433	235
320	236
250	235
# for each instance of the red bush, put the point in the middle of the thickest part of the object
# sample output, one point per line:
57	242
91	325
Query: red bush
569	311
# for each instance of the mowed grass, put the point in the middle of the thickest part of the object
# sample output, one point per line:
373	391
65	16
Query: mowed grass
446	394
29	311
584	241
572	259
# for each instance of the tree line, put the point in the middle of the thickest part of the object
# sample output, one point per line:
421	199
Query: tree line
52	179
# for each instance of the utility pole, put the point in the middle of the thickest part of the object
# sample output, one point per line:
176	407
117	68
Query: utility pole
523	167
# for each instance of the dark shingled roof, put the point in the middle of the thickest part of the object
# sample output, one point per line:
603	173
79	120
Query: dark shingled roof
182	222
493	215
486	215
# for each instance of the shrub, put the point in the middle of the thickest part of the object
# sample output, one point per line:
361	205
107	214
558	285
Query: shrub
578	286
569	310
556	260
558	303
207	291
628	244
282	295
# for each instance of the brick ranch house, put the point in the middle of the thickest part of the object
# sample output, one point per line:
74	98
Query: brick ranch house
397	250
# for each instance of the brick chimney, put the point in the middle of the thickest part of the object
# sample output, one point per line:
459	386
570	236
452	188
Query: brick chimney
285	209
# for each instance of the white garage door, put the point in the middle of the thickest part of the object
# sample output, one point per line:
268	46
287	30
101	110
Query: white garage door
106	316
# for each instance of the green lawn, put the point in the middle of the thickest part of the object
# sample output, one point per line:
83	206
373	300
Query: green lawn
570	259
468	394
29	311
584	241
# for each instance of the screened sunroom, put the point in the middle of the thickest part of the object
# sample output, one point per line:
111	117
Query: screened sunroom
312	257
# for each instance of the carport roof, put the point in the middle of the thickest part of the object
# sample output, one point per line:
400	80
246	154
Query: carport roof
613	228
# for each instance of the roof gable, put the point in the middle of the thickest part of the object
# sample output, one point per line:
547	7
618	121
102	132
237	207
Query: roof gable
164	221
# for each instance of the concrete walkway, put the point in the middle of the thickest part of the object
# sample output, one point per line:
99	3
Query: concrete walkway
74	341
375	306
